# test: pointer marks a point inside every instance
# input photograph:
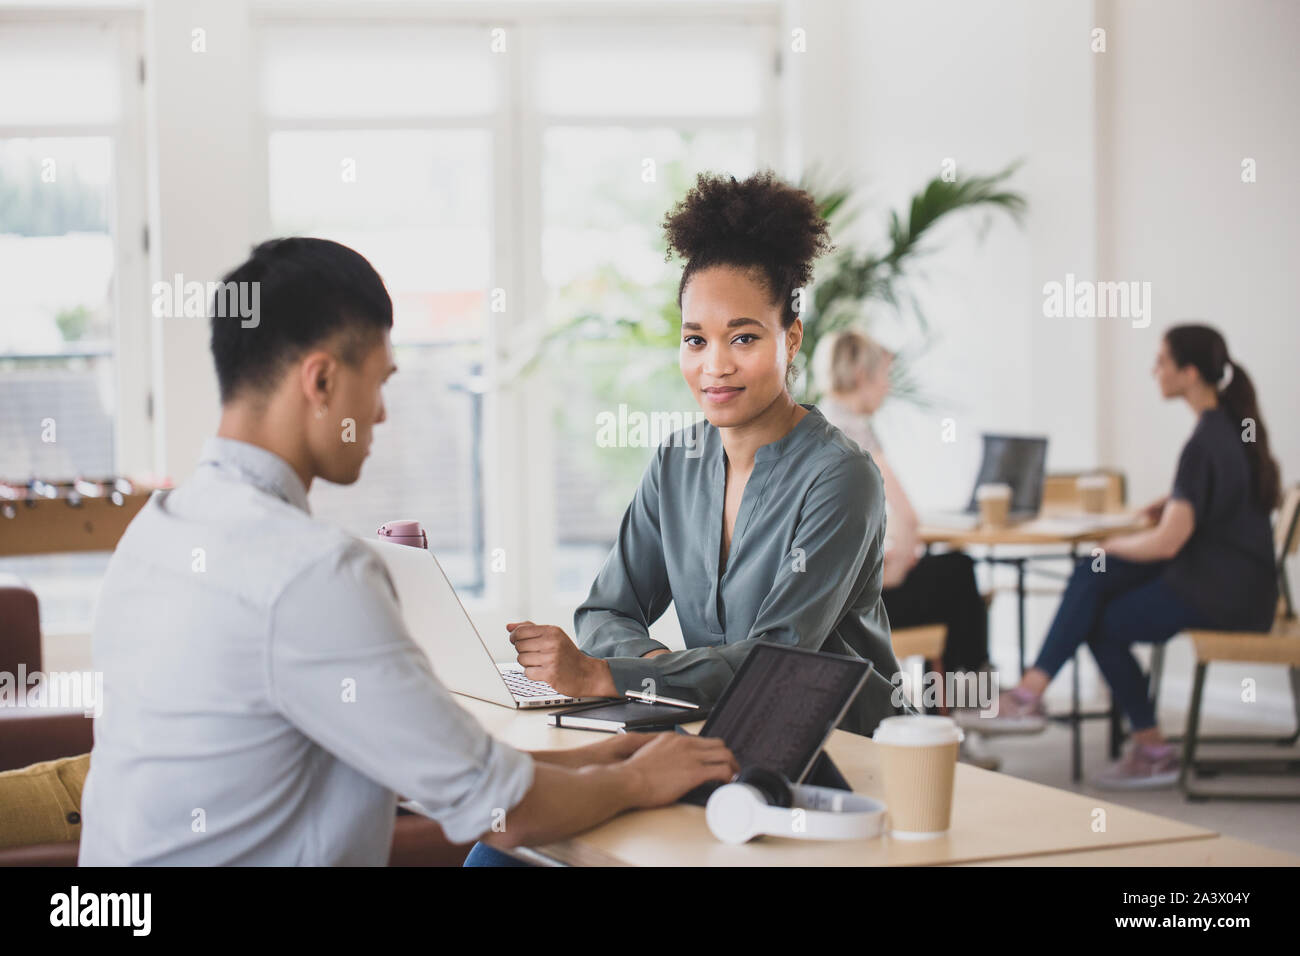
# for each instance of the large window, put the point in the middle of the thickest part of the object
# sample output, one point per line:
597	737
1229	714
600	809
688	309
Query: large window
57	260
673	99
507	178
67	130
603	256
382	138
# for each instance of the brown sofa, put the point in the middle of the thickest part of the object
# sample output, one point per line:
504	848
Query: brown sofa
31	736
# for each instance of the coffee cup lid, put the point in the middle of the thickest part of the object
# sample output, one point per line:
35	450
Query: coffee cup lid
993	490
918	731
1092	481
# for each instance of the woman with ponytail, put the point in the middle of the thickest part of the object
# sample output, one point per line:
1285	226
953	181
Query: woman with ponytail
1207	563
762	522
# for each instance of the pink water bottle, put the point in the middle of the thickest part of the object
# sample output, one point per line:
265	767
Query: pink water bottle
404	532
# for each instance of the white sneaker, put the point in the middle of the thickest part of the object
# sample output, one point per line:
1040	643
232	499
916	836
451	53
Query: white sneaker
1140	771
1012	717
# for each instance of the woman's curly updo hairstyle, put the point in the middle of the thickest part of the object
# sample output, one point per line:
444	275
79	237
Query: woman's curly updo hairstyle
757	223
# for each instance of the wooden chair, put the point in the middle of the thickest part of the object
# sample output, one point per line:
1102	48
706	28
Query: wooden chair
1281	645
926	641
1061	491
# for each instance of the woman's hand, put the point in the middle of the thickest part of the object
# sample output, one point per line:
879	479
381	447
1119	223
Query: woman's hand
547	654
900	558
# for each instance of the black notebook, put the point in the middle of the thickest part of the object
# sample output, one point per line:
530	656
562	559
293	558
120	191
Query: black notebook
613	716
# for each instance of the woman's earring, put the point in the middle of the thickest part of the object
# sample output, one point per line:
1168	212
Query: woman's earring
320	412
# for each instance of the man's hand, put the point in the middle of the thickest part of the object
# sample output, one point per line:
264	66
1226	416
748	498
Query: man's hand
617	747
547	654
613	749
671	764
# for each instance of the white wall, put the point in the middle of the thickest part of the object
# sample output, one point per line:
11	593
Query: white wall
1187	89
984	84
1132	172
200	138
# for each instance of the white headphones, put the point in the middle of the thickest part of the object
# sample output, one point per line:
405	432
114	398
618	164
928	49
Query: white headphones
762	802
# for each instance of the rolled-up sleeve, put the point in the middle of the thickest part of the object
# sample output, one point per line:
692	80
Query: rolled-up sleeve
631	591
840	528
343	669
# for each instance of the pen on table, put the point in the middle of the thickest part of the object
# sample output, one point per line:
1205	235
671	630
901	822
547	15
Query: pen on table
653	699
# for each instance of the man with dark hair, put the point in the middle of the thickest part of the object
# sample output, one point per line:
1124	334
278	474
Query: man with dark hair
263	701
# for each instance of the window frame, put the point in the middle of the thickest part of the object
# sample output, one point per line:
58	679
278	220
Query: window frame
133	439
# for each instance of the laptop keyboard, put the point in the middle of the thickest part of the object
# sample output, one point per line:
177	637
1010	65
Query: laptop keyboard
522	686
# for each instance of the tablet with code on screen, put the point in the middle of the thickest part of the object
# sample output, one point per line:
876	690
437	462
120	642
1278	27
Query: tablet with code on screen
780	707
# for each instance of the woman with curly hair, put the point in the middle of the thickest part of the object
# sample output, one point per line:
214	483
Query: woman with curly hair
762	522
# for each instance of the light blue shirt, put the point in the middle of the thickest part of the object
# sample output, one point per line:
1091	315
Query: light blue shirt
263	701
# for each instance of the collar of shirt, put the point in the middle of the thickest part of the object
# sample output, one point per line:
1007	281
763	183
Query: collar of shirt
813	423
258	467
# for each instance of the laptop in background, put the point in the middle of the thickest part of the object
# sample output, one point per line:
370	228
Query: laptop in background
1016	460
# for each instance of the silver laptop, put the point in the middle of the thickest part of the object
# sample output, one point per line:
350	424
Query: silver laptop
1016	460
437	621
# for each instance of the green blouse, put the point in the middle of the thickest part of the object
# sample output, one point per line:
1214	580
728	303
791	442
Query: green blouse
804	567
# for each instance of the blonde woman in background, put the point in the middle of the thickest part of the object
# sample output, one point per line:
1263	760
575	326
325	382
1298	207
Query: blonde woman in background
853	372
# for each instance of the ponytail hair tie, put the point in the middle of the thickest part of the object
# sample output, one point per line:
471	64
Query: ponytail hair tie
1226	379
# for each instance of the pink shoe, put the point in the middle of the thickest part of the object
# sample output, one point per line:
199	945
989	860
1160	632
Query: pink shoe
1013	716
1141	770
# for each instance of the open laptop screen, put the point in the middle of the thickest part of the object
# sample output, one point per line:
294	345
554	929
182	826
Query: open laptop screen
782	704
1018	461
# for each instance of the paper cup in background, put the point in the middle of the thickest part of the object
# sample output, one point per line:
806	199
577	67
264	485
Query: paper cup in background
995	504
918	755
1092	492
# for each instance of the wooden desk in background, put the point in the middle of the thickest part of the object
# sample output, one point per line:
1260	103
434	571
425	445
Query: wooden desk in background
1051	529
995	817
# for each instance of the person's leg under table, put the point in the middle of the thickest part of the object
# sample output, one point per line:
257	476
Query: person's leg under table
483	855
1094	583
1152	613
1092	586
941	589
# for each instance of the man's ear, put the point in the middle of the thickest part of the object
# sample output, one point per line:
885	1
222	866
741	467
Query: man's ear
317	374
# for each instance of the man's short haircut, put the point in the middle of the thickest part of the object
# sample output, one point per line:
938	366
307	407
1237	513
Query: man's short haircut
310	291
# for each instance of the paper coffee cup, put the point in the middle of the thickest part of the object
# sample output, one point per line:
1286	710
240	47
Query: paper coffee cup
994	503
918	755
1092	492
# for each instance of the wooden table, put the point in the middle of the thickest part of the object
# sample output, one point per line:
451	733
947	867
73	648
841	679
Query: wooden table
1056	527
1213	851
995	817
1051	529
